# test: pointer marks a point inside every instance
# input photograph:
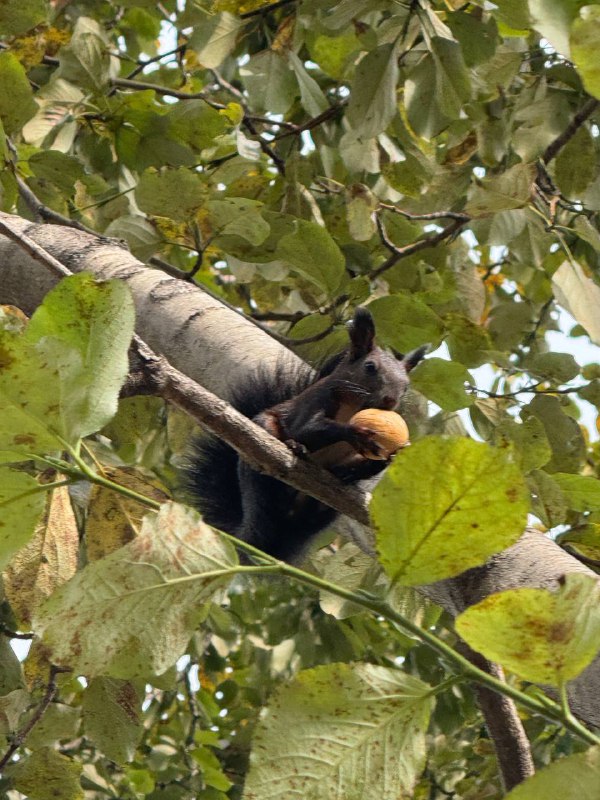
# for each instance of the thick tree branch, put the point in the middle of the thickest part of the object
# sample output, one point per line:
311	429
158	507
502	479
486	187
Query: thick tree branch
504	725
219	348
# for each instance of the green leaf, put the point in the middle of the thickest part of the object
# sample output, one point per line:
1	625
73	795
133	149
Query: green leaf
333	53
21	506
582	492
574	777
443	382
85	326
312	252
30	419
453	85
562	431
545	637
11	672
529	437
48	775
111	717
215	38
173	193
20	16
585	39
372	103
270	82
12	706
580	296
57	168
552	19
16	97
360	206
141	237
196	124
511	189
132	613
341	731
59	723
423	111
240	217
311	94
405	322
548	500
556	367
467	342
576	163
446	505
85	61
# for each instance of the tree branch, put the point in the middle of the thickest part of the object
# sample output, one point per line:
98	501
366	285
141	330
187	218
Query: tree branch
22	734
580	117
504	725
398	253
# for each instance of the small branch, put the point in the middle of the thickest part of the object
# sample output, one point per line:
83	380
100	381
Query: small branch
580	117
398	253
13	634
531	389
289	341
21	735
40	211
324	116
457	215
178	94
139	86
143	64
262	451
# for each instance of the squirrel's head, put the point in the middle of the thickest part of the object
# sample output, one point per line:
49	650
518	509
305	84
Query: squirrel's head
383	374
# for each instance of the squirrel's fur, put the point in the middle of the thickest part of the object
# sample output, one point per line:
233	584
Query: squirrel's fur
309	412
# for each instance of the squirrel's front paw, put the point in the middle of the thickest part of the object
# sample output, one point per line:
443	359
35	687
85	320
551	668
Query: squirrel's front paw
297	448
363	441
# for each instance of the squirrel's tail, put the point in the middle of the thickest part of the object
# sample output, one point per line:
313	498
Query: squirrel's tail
209	477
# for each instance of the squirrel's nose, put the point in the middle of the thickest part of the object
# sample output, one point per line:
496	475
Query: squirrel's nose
388	402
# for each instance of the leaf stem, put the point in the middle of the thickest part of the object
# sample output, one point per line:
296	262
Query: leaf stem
546	708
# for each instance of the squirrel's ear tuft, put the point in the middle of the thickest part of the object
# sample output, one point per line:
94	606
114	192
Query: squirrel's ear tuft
362	334
410	360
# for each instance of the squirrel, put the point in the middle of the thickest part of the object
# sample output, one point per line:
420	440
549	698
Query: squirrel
311	414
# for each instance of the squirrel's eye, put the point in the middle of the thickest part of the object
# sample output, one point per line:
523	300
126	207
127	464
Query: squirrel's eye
370	367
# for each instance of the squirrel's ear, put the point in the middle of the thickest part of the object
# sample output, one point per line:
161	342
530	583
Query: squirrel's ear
410	360
362	334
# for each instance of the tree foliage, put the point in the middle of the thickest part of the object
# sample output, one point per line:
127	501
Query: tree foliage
436	160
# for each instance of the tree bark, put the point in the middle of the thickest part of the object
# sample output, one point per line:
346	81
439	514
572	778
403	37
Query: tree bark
217	348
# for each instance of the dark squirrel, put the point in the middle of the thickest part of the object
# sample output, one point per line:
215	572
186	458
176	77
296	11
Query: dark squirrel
309	413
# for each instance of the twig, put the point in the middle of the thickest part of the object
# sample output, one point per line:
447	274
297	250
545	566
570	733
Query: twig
13	634
328	114
143	64
40	211
398	253
531	389
431	216
178	94
21	735
580	117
